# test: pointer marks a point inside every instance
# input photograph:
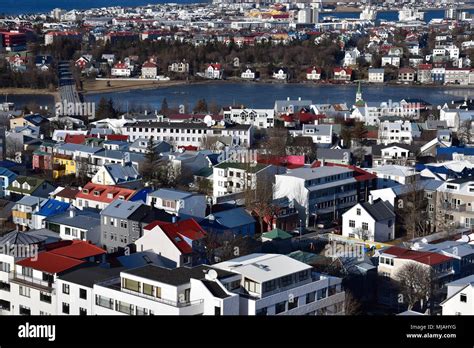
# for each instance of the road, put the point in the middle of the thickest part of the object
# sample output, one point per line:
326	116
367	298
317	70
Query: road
67	85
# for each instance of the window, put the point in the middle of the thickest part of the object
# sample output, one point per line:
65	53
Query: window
123	223
83	294
287	280
365	226
269	286
280	307
66	289
310	297
322	293
352	223
463	298
250	285
293	303
261	311
358	211
65	308
26	271
131	284
45	297
25	291
4	267
82	311
148	289
303	275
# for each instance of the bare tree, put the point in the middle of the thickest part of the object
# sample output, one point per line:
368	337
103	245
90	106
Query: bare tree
351	305
465	133
413	211
444	207
415	282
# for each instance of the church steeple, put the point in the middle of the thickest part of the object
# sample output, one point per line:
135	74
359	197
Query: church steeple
359	101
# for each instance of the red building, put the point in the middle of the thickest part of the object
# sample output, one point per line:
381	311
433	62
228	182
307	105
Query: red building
13	41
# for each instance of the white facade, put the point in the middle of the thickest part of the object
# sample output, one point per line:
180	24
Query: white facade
259	118
398	132
358	223
319	134
185	134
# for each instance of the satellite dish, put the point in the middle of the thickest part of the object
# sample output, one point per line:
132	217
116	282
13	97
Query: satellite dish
212	274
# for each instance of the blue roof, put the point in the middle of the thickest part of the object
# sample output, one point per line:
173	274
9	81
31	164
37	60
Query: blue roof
141	195
8	164
231	218
8	173
122	173
449	151
52	207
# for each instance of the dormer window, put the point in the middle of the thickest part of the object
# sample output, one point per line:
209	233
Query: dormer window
26	186
86	191
16	184
110	195
121	197
96	193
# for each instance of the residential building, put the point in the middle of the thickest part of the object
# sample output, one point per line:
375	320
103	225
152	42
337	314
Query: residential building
100	196
325	191
181	243
313	73
178	202
258	118
376	75
373	221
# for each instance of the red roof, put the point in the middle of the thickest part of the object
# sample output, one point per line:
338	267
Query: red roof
176	232
50	262
68	192
149	65
100	193
347	70
425	257
188	147
310	70
291	162
75	139
117	137
215	66
120	65
425	67
77	249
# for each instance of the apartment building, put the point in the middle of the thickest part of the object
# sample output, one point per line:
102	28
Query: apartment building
272	284
234	177
455	203
258	118
189	133
33	287
23	210
394	154
325	191
319	134
398	132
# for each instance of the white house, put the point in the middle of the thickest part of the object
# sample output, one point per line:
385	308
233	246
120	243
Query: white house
149	70
121	70
313	73
376	75
214	71
280	74
178	202
373	221
248	74
259	118
460	297
320	134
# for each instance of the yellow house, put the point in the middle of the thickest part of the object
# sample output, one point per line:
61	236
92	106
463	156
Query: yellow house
63	165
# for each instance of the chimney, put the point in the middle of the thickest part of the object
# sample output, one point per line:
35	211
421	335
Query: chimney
288	98
72	213
299	98
371	199
174	219
323	162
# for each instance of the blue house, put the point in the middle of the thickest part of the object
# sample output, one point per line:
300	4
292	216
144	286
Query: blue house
6	178
48	209
236	221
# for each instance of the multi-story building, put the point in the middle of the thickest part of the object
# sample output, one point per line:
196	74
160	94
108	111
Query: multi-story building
319	134
189	133
122	222
398	132
233	177
397	154
259	118
273	284
22	212
323	192
100	196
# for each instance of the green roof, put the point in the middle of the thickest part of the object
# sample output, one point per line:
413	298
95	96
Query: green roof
304	256
33	182
276	233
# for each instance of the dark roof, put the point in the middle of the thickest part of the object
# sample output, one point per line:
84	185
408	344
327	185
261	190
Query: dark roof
379	210
176	276
377	149
215	289
88	276
147	214
185	125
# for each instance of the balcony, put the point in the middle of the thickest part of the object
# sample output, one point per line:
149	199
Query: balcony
115	284
39	284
